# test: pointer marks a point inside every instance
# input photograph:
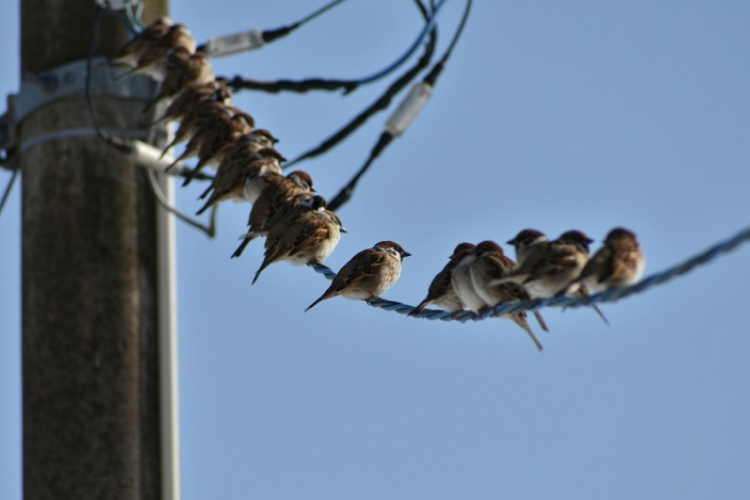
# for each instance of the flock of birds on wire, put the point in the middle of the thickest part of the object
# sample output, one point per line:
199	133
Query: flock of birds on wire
300	229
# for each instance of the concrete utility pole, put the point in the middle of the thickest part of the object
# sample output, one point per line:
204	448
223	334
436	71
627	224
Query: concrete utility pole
89	273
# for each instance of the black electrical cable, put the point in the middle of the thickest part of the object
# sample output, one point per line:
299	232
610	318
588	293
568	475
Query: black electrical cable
269	36
9	188
302	86
386	137
380	104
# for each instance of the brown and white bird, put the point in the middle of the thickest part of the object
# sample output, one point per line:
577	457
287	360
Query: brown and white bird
550	268
131	52
441	291
187	100
181	70
231	182
254	185
196	121
153	61
489	264
245	150
368	274
463	286
278	196
553	266
217	141
619	263
530	245
307	233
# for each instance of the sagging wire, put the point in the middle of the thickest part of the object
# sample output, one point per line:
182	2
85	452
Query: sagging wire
209	229
300	86
403	115
254	39
611	295
127	146
381	103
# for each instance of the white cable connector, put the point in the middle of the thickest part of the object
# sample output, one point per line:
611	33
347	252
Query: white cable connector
147	155
409	108
231	44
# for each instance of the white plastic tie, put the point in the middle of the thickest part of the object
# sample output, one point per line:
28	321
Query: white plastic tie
238	42
409	108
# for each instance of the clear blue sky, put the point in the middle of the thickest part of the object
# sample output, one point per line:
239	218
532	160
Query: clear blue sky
552	115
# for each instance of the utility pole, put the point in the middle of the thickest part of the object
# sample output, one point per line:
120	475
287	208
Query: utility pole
91	415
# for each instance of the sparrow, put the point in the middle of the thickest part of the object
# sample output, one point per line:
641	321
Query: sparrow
132	51
153	61
307	233
620	262
552	266
213	127
231	183
277	197
368	274
245	148
182	69
463	286
489	264
441	291
255	184
192	95
195	121
216	142
530	244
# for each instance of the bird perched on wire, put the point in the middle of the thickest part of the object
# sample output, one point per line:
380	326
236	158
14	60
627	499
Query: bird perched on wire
190	98
441	291
620	262
214	129
463	285
133	50
530	245
219	139
307	233
244	150
182	69
489	264
195	121
547	268
231	182
368	274
278	197
153	61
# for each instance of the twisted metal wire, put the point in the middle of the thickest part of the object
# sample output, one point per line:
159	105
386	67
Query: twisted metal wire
611	295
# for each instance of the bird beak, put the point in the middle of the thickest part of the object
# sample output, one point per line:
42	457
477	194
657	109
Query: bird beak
406	254
342	229
509	242
312	190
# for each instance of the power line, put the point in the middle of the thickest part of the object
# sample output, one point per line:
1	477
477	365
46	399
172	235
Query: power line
612	295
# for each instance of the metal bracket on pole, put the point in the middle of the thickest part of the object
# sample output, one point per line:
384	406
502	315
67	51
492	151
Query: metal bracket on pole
66	81
69	80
